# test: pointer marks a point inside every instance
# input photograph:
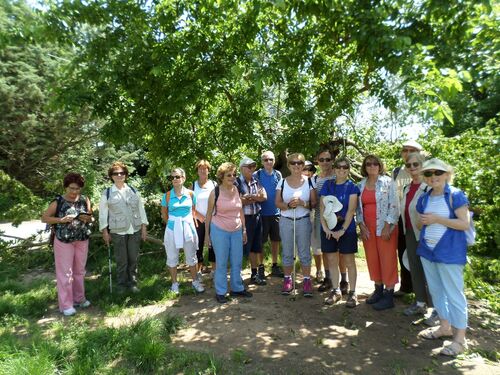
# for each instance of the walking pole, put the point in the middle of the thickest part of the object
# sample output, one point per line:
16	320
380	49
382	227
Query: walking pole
109	269
294	290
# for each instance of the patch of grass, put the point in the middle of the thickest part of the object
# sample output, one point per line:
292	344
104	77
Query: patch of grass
26	301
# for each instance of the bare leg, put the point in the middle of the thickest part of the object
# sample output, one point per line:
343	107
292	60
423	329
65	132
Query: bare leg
173	274
350	263
275	248
333	266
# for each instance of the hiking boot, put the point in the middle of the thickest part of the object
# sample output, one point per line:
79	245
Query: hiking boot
376	295
344	287
221	298
352	299
175	288
198	286
433	319
386	302
287	286
307	287
415	309
320	276
82	305
261	272
242	293
276	271
334	297
325	285
255	279
69	312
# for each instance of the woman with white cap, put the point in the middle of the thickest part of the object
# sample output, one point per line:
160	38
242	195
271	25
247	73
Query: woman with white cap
442	248
338	234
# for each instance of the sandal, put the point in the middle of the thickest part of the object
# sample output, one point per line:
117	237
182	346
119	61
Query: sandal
454	349
434	333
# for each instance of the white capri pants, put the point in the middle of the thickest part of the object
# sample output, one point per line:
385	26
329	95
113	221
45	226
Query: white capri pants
173	253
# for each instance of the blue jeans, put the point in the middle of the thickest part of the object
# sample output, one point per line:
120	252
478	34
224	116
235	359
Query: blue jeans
302	239
446	286
227	246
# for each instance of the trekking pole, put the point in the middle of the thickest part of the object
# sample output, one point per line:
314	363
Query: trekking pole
109	269
294	290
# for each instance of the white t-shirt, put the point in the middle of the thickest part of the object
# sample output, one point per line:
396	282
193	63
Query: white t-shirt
303	192
202	195
437	206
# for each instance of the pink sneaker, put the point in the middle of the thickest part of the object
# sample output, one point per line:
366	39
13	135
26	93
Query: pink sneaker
308	288
287	286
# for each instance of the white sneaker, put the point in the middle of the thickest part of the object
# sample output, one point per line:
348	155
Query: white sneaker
175	288
69	312
433	319
198	286
82	305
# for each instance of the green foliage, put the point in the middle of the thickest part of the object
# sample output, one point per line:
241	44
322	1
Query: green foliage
17	202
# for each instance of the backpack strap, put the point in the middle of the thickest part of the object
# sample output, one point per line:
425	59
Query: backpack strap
108	191
395	173
309	181
282	187
217	192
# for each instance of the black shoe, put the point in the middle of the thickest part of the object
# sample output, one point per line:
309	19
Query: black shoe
221	298
255	279
386	302
376	295
261	272
325	285
277	272
243	293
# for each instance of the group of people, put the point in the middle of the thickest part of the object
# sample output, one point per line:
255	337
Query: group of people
312	215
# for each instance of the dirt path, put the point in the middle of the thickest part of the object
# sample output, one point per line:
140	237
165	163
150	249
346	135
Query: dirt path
271	334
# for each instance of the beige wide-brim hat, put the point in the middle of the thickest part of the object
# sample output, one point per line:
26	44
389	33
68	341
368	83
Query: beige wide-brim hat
413	144
435	164
332	205
246	161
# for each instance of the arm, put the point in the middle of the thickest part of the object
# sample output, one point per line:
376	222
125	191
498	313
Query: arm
351	209
242	216
208	218
278	201
313	200
49	217
103	218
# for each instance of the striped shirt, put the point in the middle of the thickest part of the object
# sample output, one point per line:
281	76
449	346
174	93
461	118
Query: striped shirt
437	206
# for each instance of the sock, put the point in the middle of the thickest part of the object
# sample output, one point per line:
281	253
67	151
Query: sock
343	276
254	271
275	264
327	274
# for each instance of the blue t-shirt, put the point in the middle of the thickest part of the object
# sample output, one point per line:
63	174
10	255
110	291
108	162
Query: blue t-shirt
343	192
178	207
269	182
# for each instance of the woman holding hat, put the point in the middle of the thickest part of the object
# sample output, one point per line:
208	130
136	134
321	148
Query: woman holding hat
340	236
442	248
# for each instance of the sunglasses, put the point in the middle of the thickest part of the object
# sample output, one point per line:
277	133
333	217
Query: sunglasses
251	166
171	178
296	162
72	188
322	160
372	164
343	166
409	150
230	175
415	164
435	173
118	174
268	159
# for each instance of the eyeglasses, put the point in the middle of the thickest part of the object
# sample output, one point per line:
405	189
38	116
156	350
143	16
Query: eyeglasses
251	166
409	150
230	175
435	173
322	160
372	164
415	164
171	178
296	162
268	159
72	188
118	174
343	166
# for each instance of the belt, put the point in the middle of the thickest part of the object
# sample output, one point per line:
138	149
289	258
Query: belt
297	218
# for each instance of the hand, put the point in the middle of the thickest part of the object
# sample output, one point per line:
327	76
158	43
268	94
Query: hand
294	202
428	219
337	234
86	218
365	233
144	233
106	237
328	234
67	219
245	238
386	232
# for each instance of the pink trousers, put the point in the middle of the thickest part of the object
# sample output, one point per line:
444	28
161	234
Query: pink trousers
70	259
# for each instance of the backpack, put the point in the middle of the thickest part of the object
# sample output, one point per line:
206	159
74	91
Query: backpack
470	232
193	208
52	235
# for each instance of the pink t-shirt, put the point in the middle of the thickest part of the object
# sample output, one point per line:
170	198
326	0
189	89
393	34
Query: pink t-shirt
228	211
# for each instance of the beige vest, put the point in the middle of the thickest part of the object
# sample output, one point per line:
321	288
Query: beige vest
123	211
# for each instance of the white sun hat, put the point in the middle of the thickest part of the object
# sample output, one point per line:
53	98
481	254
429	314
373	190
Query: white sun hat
332	205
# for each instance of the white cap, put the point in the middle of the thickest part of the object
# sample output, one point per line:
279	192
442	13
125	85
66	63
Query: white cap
413	144
332	205
246	161
436	164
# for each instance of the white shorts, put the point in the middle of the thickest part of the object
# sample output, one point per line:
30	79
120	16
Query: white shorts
173	253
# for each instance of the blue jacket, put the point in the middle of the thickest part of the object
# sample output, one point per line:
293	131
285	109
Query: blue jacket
452	247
